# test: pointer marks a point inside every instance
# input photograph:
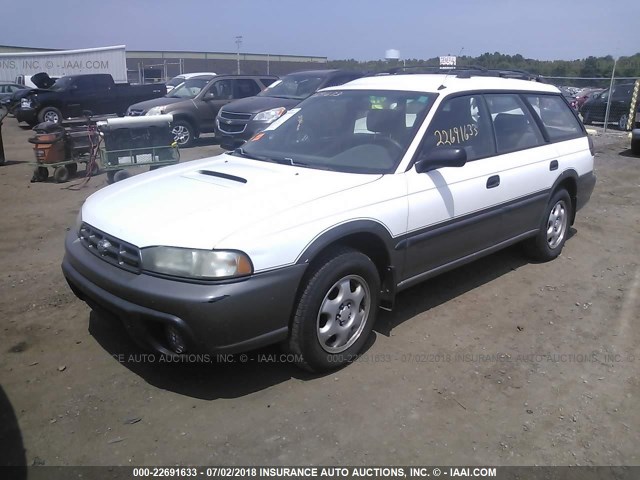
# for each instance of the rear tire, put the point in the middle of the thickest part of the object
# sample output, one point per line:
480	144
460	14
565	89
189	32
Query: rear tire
554	228
61	174
336	310
586	118
635	146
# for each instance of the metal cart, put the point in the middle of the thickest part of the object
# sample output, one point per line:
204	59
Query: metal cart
63	149
136	141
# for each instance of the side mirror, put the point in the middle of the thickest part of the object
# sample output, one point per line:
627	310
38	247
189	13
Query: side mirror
439	158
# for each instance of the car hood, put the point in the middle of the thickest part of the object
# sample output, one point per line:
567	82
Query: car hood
200	203
157	102
260	104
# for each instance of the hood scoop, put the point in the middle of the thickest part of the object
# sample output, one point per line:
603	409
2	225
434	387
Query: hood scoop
226	176
213	177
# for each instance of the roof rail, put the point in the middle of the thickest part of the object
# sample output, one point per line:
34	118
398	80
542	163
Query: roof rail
466	71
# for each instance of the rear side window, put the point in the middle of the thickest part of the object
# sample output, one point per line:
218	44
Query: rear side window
556	116
267	81
246	88
462	122
513	125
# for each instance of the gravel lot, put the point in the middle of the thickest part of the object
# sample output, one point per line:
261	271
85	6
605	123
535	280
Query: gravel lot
501	362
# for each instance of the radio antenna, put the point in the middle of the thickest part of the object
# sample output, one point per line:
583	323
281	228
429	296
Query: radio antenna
443	86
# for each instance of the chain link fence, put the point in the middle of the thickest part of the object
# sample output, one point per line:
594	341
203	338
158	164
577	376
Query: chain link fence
608	102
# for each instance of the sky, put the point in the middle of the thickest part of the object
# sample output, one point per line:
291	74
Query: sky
337	29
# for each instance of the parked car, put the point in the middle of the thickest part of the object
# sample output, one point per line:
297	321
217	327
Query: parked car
178	79
594	109
359	192
569	95
195	115
186	90
72	95
7	89
238	121
585	94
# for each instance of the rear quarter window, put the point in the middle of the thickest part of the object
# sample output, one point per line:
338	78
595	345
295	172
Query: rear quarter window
556	116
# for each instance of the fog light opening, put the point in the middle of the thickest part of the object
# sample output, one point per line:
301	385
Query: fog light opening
176	341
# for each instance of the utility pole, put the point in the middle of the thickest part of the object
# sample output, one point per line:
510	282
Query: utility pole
238	43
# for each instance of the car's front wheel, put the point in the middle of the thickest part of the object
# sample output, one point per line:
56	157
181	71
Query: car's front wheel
183	133
336	310
50	114
622	122
551	237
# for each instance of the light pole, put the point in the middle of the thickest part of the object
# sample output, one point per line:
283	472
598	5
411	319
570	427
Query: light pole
238	43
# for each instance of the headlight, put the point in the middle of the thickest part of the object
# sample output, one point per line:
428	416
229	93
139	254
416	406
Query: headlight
25	103
156	111
270	115
204	264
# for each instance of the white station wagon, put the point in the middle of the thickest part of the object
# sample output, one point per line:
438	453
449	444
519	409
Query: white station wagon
361	191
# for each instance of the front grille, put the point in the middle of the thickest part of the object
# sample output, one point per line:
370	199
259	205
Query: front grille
235	115
233	128
135	112
110	249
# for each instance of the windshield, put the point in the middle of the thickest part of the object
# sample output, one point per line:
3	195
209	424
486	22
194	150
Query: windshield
294	86
175	81
359	131
189	88
61	84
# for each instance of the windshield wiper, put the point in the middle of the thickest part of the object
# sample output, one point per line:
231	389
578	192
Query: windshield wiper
280	160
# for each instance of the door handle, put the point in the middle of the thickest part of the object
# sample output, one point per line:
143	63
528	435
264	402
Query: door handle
553	165
493	181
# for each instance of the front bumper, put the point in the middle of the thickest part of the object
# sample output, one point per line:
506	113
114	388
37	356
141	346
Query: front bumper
232	140
29	115
226	317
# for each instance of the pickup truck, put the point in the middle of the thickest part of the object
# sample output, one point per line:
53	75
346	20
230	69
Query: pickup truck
72	95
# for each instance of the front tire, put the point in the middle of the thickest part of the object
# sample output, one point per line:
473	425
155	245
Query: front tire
183	133
336	310
622	122
50	114
550	240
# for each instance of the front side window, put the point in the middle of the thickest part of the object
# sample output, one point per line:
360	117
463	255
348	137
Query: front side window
221	90
556	116
513	125
462	122
344	131
189	89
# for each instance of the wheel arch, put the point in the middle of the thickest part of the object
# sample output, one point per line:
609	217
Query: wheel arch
187	117
568	181
367	236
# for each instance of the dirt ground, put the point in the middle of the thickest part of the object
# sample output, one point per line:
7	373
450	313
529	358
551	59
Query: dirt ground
501	362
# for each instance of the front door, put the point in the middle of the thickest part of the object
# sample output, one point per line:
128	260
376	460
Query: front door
218	94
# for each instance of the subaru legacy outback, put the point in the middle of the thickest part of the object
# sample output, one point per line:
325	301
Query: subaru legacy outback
359	192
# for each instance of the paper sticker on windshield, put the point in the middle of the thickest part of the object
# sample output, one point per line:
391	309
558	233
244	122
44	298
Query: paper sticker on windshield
282	119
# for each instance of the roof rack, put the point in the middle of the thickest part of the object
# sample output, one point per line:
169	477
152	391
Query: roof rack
466	71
